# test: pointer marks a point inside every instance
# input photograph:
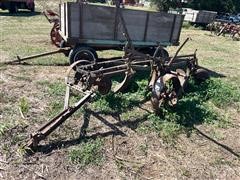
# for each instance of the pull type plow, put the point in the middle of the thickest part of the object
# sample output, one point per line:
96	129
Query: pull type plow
168	77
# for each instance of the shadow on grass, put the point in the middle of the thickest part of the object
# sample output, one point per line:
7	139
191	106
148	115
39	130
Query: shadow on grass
115	131
230	150
214	73
190	111
20	14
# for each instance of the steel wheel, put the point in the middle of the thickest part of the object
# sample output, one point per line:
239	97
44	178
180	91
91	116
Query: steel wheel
166	91
55	36
74	77
201	75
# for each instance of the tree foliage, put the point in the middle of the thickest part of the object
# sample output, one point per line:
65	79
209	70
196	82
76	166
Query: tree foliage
165	5
230	6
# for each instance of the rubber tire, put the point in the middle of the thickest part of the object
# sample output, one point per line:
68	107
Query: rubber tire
32	9
73	56
151	52
13	8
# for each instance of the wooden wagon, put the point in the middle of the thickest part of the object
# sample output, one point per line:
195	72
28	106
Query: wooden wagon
88	28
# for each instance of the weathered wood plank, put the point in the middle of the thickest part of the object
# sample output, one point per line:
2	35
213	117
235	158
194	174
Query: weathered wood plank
98	22
92	22
135	22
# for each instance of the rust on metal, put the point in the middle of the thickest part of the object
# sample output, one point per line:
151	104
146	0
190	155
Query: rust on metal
53	18
223	28
168	77
87	78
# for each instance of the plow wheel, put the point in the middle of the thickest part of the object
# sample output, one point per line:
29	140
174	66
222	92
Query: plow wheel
166	91
201	75
73	77
55	36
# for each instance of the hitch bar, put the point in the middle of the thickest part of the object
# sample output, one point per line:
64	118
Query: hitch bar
54	123
18	60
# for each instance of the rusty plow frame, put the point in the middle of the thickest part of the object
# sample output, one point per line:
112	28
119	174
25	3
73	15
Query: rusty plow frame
168	77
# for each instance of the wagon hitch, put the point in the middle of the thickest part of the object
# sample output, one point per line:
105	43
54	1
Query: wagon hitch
19	59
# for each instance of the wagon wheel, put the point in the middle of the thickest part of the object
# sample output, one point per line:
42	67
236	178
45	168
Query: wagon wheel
55	36
166	91
161	52
13	8
83	53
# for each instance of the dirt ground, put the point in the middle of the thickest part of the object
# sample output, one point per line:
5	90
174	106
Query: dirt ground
207	152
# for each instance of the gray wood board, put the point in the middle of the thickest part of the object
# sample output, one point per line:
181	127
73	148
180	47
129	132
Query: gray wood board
98	23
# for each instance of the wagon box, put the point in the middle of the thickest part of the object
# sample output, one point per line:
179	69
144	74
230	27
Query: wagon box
99	27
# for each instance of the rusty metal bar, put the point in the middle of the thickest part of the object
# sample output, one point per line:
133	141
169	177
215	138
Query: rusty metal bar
179	49
18	60
53	124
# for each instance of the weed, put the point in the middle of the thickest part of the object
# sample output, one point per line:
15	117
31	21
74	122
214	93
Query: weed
186	173
166	129
3	128
197	106
56	92
144	148
120	165
2	97
87	153
222	94
24	105
23	78
55	107
56	89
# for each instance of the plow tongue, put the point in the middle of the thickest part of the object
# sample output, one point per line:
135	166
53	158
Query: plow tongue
54	123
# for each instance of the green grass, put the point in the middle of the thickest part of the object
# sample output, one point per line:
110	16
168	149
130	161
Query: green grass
56	91
88	153
120	102
3	128
24	105
201	104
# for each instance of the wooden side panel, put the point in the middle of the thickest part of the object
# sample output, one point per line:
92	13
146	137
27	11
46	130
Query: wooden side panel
177	29
62	20
67	19
74	19
205	17
135	22
159	27
92	22
98	22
